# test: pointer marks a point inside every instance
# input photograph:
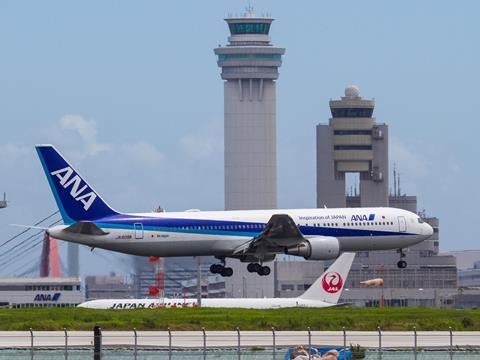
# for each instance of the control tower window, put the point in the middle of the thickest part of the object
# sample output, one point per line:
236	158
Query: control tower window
353	147
249	57
249	28
352	132
352	112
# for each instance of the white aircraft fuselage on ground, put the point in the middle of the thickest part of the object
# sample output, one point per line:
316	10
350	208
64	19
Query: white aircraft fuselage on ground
324	292
251	236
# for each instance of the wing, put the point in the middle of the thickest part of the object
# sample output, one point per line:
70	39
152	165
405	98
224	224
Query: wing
281	232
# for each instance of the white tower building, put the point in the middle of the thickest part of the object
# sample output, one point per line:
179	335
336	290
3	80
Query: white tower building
250	67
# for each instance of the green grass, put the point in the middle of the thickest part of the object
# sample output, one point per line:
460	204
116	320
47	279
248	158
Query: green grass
229	319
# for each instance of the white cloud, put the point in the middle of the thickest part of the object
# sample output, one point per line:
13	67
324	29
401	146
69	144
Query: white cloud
143	152
79	137
205	143
87	132
409	161
13	151
413	164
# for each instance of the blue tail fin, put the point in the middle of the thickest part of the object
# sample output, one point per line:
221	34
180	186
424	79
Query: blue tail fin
75	199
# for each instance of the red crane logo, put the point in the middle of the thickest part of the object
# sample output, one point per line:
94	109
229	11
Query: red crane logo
332	282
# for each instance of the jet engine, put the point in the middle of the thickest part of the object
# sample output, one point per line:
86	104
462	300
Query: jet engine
316	248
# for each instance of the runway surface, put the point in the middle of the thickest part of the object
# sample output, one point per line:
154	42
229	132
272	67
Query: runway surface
217	339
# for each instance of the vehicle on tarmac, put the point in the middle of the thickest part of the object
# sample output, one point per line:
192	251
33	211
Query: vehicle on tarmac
324	292
252	236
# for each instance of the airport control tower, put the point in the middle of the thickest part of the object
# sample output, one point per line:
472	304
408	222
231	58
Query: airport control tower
250	68
352	142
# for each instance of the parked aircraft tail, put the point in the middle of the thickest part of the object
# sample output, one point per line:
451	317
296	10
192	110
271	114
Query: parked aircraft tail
75	198
329	286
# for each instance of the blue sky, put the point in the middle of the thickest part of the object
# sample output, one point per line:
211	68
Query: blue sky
131	93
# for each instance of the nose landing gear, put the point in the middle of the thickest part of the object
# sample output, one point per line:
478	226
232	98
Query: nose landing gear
401	264
259	269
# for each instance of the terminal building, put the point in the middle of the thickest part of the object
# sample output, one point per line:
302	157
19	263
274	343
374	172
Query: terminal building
108	287
468	280
40	292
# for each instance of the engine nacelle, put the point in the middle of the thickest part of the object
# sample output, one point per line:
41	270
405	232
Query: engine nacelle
317	248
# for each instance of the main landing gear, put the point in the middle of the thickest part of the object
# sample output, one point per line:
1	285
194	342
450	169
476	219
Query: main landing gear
221	269
401	264
259	269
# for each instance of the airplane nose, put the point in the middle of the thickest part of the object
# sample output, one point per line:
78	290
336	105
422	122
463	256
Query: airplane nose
428	230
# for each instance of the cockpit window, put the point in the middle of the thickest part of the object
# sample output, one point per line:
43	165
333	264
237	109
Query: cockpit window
420	220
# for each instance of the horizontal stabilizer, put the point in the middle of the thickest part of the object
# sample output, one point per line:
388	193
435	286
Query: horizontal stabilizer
85	228
30	226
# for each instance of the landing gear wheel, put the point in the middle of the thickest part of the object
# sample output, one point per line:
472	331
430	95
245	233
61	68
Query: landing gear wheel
226	272
216	268
264	271
254	267
402	264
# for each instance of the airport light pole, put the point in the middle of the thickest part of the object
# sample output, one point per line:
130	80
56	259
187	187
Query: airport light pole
199	280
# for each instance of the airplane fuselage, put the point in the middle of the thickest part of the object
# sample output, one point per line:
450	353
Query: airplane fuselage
218	233
244	303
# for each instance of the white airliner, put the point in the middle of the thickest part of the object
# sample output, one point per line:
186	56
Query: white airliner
254	236
324	292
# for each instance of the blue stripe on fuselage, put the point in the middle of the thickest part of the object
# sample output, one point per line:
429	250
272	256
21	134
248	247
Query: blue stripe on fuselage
227	228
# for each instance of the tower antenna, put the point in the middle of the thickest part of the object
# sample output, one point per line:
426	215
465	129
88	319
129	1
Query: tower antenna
399	191
395	179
